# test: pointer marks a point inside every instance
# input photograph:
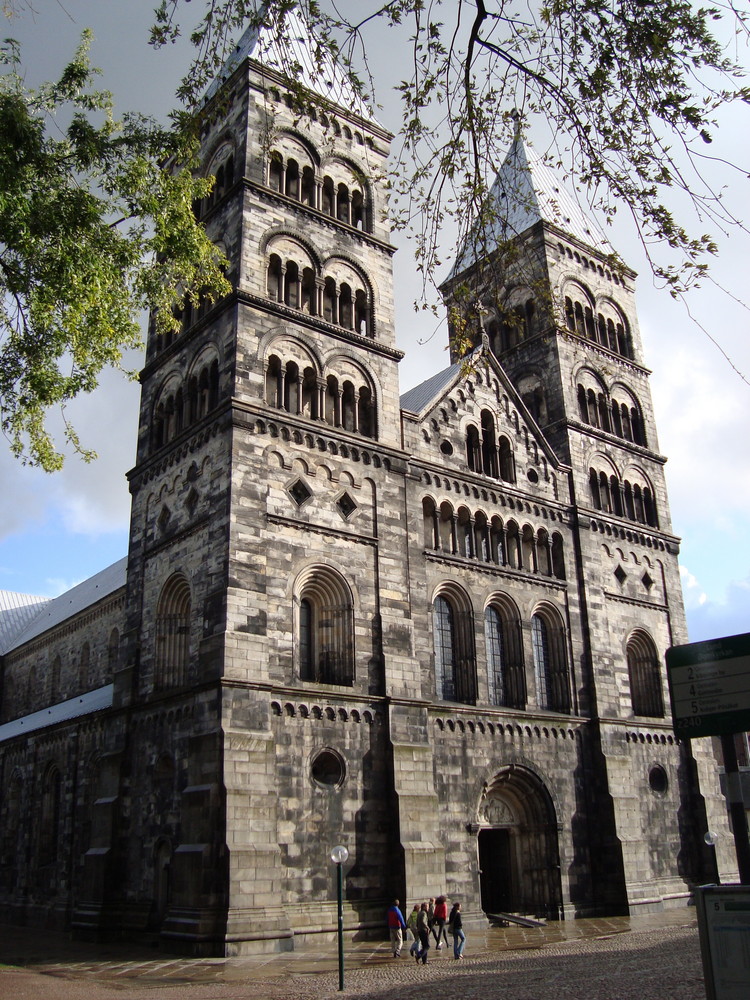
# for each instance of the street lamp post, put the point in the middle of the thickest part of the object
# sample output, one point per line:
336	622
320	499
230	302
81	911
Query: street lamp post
339	854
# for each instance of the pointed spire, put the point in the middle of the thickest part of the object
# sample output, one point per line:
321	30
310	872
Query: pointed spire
285	44
524	193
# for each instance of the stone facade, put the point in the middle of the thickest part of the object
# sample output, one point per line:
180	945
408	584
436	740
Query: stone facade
431	629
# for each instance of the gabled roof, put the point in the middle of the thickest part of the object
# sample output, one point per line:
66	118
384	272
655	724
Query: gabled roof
526	191
427	394
54	612
300	54
420	396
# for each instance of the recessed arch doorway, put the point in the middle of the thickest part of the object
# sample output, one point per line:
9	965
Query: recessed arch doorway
519	858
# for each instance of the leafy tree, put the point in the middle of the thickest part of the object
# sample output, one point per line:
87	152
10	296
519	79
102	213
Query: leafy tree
630	91
93	230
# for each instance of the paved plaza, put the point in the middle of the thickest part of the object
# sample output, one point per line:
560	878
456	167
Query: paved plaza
605	959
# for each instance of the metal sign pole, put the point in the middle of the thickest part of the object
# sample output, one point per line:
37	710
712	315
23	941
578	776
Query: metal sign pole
736	807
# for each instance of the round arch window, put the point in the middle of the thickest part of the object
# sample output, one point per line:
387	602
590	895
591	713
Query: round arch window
658	780
328	768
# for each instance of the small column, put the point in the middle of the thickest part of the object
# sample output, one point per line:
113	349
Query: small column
321	387
355	408
470	546
339	408
534	555
548	550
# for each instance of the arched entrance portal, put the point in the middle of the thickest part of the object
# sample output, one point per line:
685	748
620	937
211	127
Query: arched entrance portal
519	859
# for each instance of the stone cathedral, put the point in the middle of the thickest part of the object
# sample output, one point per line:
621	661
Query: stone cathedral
430	628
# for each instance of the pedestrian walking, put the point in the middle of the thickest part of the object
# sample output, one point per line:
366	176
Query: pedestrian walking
456	926
423	929
411	923
396	928
440	919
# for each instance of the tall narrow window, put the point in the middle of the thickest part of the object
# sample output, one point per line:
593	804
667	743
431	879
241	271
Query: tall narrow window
455	659
645	677
49	827
444	650
173	633
325	628
550	665
495	643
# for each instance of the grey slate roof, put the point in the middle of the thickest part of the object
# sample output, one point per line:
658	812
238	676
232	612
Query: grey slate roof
57	610
318	72
84	704
417	399
17	611
526	191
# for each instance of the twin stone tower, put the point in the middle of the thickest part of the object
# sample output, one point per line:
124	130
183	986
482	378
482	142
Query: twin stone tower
430	628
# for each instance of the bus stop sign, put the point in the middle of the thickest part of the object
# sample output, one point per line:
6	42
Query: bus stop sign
709	686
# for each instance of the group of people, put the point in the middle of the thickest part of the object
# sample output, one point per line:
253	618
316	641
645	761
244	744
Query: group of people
427	919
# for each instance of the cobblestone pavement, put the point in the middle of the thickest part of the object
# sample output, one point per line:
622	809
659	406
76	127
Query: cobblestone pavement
656	955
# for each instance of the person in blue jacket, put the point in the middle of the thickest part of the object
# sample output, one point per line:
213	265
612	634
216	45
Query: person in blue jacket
396	928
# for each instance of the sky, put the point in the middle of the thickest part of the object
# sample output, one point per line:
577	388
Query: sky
56	530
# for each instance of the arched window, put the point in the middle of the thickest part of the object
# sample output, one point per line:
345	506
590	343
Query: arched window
645	676
307	195
84	667
10	829
328	197
507	462
276	172
489	448
346	307
292	180
49	827
325	626
473	451
113	653
173	633
550	664
455	662
274	382
275	282
505	670
55	693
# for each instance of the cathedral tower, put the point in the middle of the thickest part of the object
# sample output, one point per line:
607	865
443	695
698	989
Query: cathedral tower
429	628
558	310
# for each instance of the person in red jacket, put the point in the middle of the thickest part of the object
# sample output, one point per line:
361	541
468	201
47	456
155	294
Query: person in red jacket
396	927
439	921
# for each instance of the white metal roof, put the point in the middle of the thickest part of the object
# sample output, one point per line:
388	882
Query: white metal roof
57	610
84	704
17	611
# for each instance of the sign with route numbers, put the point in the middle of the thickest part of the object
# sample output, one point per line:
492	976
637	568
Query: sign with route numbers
724	930
709	686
